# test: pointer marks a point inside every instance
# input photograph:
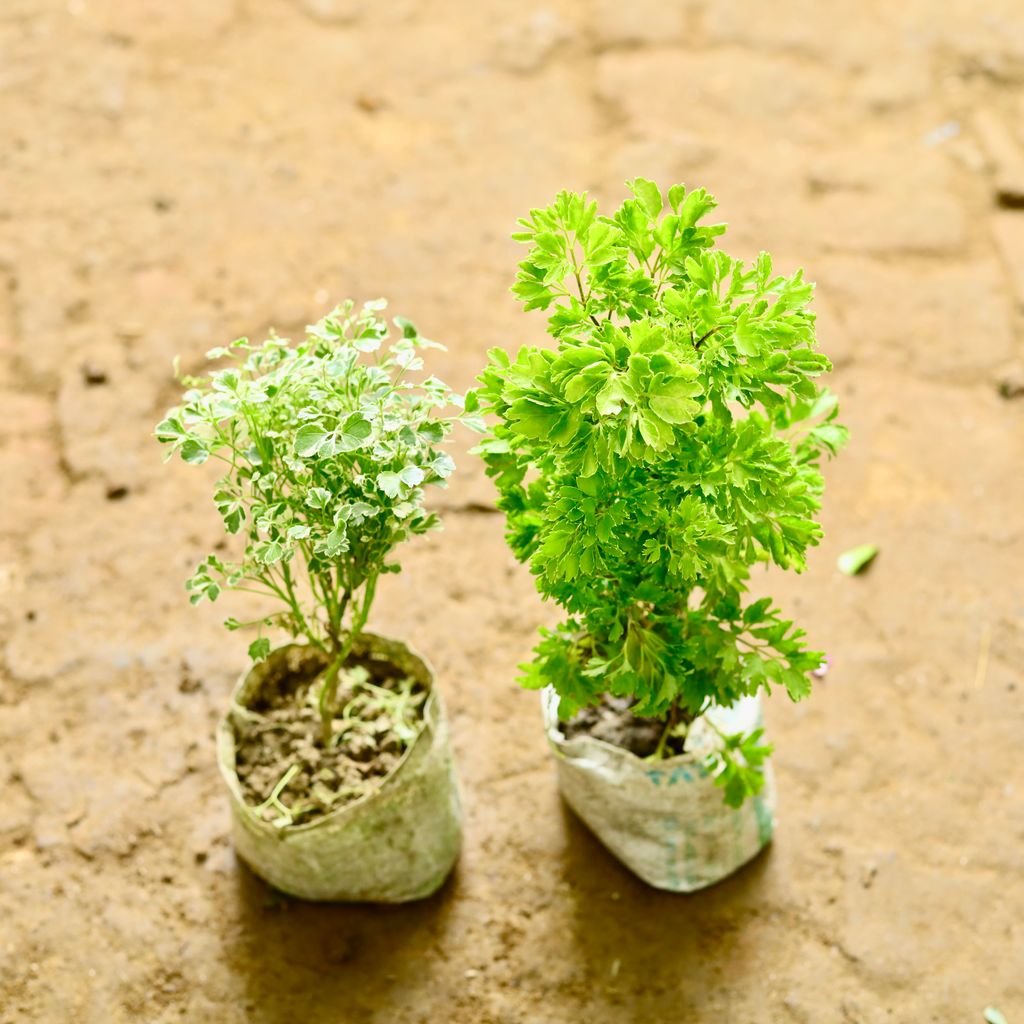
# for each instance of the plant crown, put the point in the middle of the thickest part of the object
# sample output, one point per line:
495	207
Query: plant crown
668	441
327	448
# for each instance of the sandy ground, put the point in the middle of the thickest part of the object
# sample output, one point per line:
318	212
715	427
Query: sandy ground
173	175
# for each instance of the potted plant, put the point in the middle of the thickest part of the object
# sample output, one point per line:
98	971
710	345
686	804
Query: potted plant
669	441
335	749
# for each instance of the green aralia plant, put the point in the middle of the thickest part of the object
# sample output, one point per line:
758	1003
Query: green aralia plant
326	448
668	441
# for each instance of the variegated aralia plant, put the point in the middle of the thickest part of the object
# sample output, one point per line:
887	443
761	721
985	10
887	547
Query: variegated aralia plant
668	441
327	446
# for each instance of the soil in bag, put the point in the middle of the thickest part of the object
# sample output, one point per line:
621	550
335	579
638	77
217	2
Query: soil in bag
613	721
286	773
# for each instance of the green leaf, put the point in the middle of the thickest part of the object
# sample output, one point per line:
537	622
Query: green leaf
746	340
443	466
655	432
231	509
695	206
358	512
550	242
318	497
259	649
857	559
353	432
602	245
672	401
369	342
412	476
474	423
407	327
390	483
309	440
676	194
432	432
735	790
993	1016
336	542
194	452
533	418
797	683
610	398
169	430
581	385
831	436
269	552
649	195
674	410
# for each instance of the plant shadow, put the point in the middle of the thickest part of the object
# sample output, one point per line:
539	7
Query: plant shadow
294	957
661	955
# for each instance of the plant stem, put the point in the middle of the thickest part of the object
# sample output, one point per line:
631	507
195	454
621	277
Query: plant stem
275	797
296	607
704	337
671	722
330	685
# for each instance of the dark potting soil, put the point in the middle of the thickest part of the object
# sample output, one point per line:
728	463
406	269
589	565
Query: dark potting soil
288	774
614	722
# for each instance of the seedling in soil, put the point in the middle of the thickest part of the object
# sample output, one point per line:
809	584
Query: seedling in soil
669	441
327	447
376	724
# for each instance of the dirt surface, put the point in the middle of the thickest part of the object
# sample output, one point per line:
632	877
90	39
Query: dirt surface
173	175
284	768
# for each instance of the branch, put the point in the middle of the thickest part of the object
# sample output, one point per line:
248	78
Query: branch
704	337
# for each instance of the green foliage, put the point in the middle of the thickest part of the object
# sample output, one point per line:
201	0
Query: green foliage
739	766
668	441
326	448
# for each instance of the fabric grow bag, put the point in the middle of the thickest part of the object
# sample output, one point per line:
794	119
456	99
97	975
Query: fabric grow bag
395	844
665	820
